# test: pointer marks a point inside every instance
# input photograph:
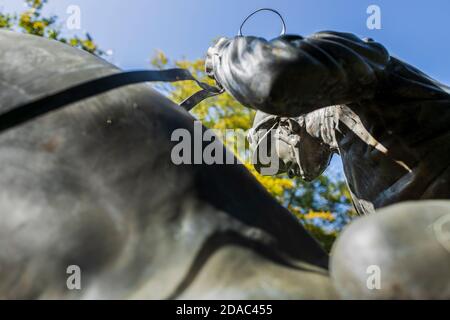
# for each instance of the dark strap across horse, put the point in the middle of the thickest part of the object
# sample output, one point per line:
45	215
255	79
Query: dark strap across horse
29	111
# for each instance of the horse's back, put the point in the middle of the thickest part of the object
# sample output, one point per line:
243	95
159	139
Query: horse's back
93	185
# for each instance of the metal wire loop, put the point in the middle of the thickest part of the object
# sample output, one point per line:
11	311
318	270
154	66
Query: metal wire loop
283	31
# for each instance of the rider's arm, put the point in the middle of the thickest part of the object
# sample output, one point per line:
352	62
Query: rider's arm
291	75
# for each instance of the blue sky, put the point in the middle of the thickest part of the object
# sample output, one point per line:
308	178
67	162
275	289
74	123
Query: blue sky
417	32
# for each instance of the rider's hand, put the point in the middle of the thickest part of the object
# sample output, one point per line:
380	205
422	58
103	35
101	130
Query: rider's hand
213	57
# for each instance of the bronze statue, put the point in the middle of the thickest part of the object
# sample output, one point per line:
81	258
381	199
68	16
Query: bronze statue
335	93
93	186
339	94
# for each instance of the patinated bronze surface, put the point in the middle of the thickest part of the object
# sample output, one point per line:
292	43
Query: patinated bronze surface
389	122
93	185
400	252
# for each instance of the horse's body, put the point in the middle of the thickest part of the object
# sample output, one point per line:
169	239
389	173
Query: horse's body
93	185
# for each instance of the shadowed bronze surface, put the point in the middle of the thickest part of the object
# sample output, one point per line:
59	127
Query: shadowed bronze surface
93	185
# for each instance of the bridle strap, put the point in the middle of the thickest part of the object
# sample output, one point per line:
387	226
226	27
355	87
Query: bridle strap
29	111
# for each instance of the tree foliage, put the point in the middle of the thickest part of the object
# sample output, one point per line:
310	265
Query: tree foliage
33	21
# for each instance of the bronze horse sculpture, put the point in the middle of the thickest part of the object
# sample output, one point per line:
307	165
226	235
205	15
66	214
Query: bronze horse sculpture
92	185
